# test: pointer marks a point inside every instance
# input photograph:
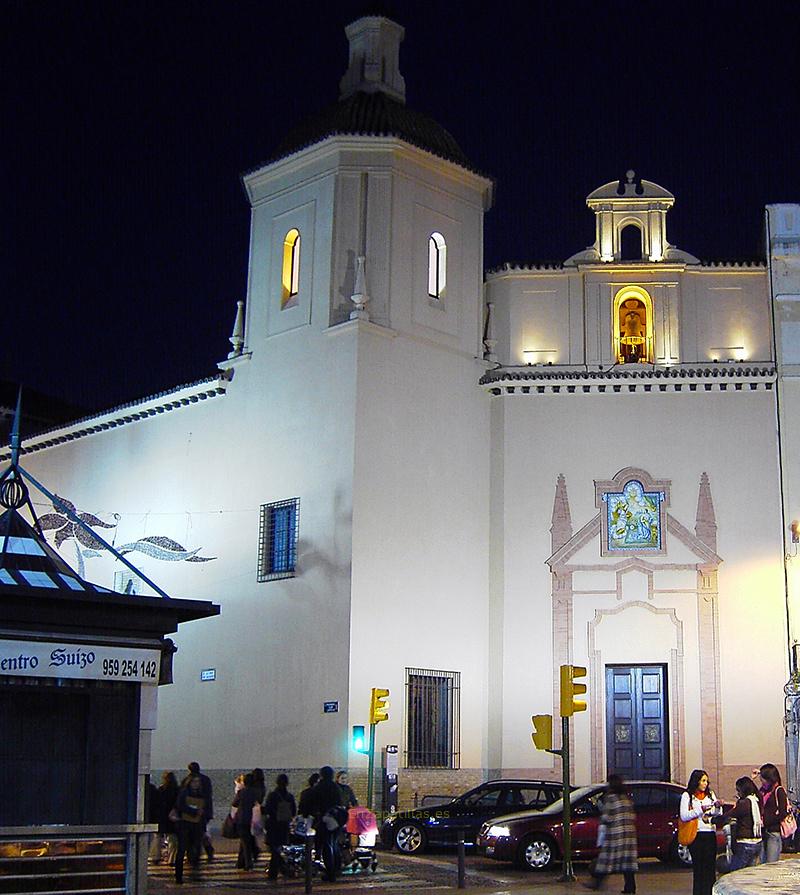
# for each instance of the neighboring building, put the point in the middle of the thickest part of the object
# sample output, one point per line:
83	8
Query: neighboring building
411	478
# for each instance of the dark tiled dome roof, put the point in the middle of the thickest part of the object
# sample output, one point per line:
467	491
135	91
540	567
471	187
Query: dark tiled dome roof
373	114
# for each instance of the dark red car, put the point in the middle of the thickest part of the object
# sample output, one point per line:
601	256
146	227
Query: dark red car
533	839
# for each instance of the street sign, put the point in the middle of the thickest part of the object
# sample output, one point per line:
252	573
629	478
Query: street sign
329	708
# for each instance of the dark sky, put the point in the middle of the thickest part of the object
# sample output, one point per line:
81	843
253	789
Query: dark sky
126	127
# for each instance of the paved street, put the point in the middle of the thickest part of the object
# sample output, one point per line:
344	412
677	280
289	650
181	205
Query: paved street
398	874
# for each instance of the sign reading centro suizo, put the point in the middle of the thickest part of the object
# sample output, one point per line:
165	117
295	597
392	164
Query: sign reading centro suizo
78	660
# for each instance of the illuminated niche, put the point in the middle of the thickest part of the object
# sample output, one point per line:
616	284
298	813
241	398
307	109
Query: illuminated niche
290	269
632	325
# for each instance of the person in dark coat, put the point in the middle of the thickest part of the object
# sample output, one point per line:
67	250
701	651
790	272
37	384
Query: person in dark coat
349	799
279	809
167	830
194	770
618	853
304	808
151	813
190	807
324	798
244	801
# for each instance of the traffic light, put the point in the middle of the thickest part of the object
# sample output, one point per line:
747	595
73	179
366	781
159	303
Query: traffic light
378	710
359	741
570	689
542	735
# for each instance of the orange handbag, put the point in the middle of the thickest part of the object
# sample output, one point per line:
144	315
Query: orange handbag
687	831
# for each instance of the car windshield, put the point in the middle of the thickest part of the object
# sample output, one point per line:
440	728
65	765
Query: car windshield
575	796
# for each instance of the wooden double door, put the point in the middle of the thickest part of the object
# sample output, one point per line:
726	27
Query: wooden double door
637	722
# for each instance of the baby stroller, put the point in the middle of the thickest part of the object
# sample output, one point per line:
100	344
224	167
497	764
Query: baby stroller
294	854
357	841
356	845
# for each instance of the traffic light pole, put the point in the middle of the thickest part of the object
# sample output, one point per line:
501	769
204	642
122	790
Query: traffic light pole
567	873
371	770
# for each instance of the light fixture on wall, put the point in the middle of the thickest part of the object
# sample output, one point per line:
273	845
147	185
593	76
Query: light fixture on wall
728	353
794	528
540	355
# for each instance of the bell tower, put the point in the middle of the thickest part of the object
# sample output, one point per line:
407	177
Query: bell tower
631	224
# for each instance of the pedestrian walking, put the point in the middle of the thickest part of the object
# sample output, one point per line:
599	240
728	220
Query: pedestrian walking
774	809
189	812
699	805
325	798
152	808
279	810
617	839
208	795
167	829
304	806
244	802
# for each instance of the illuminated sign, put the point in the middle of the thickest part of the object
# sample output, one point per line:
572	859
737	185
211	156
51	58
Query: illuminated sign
88	661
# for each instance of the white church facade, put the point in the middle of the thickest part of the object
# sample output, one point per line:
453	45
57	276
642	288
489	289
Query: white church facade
410	474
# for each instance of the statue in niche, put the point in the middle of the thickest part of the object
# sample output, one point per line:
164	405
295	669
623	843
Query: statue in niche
633	331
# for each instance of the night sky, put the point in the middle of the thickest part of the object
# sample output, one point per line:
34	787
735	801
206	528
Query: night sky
126	127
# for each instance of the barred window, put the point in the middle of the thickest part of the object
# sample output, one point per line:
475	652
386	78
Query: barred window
432	733
277	539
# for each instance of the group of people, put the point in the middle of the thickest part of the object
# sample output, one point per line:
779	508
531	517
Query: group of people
760	808
182	812
323	804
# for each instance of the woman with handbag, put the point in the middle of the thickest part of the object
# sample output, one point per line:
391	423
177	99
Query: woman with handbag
698	806
775	811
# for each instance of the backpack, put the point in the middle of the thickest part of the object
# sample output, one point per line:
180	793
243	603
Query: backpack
283	811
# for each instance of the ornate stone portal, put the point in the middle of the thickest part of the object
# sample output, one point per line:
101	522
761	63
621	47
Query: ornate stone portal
633	527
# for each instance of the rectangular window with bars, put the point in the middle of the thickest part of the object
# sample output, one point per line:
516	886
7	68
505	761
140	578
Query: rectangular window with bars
277	539
432	732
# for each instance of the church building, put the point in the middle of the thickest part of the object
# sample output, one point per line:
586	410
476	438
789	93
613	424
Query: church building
413	474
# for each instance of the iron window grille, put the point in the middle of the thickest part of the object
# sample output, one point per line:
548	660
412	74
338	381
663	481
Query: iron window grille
277	539
432	731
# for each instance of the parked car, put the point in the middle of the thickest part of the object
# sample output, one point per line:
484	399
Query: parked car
533	840
412	831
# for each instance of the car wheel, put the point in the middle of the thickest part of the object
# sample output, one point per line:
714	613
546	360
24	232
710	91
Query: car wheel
680	854
536	853
410	839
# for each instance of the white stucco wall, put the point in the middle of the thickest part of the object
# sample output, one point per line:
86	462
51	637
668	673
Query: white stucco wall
732	437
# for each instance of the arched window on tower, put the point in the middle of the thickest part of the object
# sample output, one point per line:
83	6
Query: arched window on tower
630	243
437	265
290	270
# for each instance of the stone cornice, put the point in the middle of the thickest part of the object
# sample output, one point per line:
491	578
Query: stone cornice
163	402
532	380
